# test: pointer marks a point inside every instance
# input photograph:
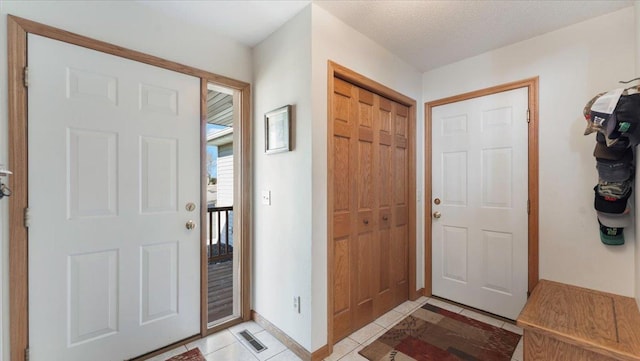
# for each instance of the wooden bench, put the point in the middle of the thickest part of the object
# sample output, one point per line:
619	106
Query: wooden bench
568	323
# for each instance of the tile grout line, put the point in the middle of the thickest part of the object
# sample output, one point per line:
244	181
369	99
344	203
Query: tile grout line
285	350
241	344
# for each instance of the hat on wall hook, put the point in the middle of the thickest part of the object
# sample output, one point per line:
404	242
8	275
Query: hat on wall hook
4	190
636	87
4	172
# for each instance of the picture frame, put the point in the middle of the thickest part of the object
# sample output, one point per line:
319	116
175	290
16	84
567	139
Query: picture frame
277	130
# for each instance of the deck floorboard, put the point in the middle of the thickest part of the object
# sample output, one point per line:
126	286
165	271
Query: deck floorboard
220	292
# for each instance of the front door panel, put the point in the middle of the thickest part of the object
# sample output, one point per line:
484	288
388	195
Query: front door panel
113	158
480	234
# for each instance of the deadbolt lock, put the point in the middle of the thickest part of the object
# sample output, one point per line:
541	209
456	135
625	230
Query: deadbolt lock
190	207
436	201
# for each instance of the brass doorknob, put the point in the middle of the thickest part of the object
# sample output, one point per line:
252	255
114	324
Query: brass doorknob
190	225
437	214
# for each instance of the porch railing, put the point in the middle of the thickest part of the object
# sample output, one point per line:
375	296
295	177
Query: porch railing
220	223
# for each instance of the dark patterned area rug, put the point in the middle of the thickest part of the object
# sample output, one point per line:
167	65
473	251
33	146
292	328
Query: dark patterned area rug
191	355
434	334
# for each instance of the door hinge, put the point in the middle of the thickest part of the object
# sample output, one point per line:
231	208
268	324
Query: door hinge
27	218
26	354
528	206
528	115
26	76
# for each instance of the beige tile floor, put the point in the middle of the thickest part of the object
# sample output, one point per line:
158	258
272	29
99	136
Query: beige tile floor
227	345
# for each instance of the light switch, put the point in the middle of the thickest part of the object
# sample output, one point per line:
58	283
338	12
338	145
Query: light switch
266	198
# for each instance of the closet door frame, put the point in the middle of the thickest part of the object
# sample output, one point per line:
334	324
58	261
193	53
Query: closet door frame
338	71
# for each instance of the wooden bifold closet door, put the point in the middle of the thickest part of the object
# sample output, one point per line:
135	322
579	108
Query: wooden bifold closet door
370	213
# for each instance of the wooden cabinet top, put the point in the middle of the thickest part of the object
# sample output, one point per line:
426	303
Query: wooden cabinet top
604	323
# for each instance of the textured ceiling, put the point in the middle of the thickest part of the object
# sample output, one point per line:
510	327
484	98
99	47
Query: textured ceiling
429	34
248	22
424	33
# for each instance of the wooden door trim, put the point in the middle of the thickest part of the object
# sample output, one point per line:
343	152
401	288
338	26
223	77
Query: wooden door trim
241	104
18	234
533	252
33	27
204	271
338	71
17	31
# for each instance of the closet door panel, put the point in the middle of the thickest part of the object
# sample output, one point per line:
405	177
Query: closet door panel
384	179
343	202
399	244
341	288
363	264
370	246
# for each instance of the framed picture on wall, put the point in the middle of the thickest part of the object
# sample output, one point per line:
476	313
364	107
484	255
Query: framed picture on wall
277	130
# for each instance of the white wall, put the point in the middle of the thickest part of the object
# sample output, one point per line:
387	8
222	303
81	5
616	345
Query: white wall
574	64
127	24
334	40
290	67
3	236
3	220
282	231
637	183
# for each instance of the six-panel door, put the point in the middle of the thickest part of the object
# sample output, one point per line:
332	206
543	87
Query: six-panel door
370	206
113	160
480	233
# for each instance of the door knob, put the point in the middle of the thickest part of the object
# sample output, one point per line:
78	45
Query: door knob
436	214
190	225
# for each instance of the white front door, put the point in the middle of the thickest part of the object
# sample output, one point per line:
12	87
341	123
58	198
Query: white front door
479	180
114	155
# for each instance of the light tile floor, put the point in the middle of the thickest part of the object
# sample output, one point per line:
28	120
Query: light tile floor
228	345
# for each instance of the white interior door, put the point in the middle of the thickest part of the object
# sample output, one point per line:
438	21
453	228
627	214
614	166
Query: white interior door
480	178
113	159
